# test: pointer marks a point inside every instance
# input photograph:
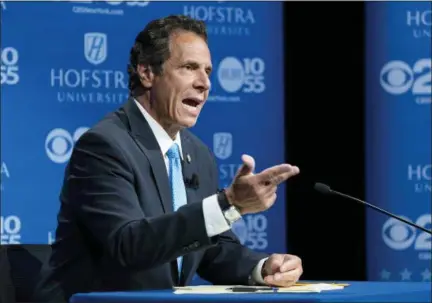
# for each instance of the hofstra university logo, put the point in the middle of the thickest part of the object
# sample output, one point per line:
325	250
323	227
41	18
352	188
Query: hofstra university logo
223	19
95	47
222	145
94	82
4	174
420	22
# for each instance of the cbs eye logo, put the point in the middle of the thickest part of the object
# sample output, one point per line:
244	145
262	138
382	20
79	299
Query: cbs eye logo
59	143
397	77
398	235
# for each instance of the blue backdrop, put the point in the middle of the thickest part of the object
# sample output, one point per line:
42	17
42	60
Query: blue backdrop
63	67
398	69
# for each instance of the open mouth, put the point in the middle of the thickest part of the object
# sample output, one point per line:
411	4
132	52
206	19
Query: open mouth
191	102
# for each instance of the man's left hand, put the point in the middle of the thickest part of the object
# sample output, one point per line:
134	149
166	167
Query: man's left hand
282	270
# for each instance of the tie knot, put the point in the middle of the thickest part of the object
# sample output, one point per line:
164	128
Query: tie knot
174	152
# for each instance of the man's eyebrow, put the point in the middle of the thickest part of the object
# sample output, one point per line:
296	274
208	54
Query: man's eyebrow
195	64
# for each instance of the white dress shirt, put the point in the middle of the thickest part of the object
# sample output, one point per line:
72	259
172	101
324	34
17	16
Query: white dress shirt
214	219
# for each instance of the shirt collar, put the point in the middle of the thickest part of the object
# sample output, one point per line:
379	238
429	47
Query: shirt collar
164	140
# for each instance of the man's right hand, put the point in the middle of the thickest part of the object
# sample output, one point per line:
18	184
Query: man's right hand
253	193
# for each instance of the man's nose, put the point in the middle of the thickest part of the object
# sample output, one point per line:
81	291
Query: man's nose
202	82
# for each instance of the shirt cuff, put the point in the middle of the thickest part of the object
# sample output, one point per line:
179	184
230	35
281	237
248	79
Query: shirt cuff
256	274
214	219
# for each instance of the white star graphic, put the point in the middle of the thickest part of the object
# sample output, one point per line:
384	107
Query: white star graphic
385	275
406	275
426	274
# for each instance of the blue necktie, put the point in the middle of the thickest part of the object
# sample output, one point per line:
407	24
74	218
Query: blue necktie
178	190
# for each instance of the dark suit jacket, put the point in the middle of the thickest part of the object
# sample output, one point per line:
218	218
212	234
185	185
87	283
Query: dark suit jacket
116	225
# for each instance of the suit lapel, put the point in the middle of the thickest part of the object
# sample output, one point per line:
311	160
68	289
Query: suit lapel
190	167
144	137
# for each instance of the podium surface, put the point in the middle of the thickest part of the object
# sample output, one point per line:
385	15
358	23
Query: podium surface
355	292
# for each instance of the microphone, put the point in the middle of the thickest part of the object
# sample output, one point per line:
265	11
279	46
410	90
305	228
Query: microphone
325	189
192	182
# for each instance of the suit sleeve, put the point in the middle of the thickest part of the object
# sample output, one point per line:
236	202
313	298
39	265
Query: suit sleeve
229	262
99	185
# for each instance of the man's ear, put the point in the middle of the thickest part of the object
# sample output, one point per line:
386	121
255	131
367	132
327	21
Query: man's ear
146	75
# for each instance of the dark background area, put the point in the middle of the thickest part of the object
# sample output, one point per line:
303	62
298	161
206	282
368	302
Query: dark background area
324	48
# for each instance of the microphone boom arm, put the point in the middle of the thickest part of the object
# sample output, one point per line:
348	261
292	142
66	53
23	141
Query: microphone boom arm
383	211
325	189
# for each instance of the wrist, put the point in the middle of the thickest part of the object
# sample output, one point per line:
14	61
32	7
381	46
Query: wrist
229	211
264	272
223	200
229	195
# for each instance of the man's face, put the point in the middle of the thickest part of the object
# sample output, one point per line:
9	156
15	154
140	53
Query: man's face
179	93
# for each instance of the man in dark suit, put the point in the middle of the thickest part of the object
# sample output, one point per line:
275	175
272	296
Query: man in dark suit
140	206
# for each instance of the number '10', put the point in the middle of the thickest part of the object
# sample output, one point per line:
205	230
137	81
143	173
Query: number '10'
256	223
254	66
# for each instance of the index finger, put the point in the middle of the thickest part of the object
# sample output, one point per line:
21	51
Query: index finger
289	264
272	172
